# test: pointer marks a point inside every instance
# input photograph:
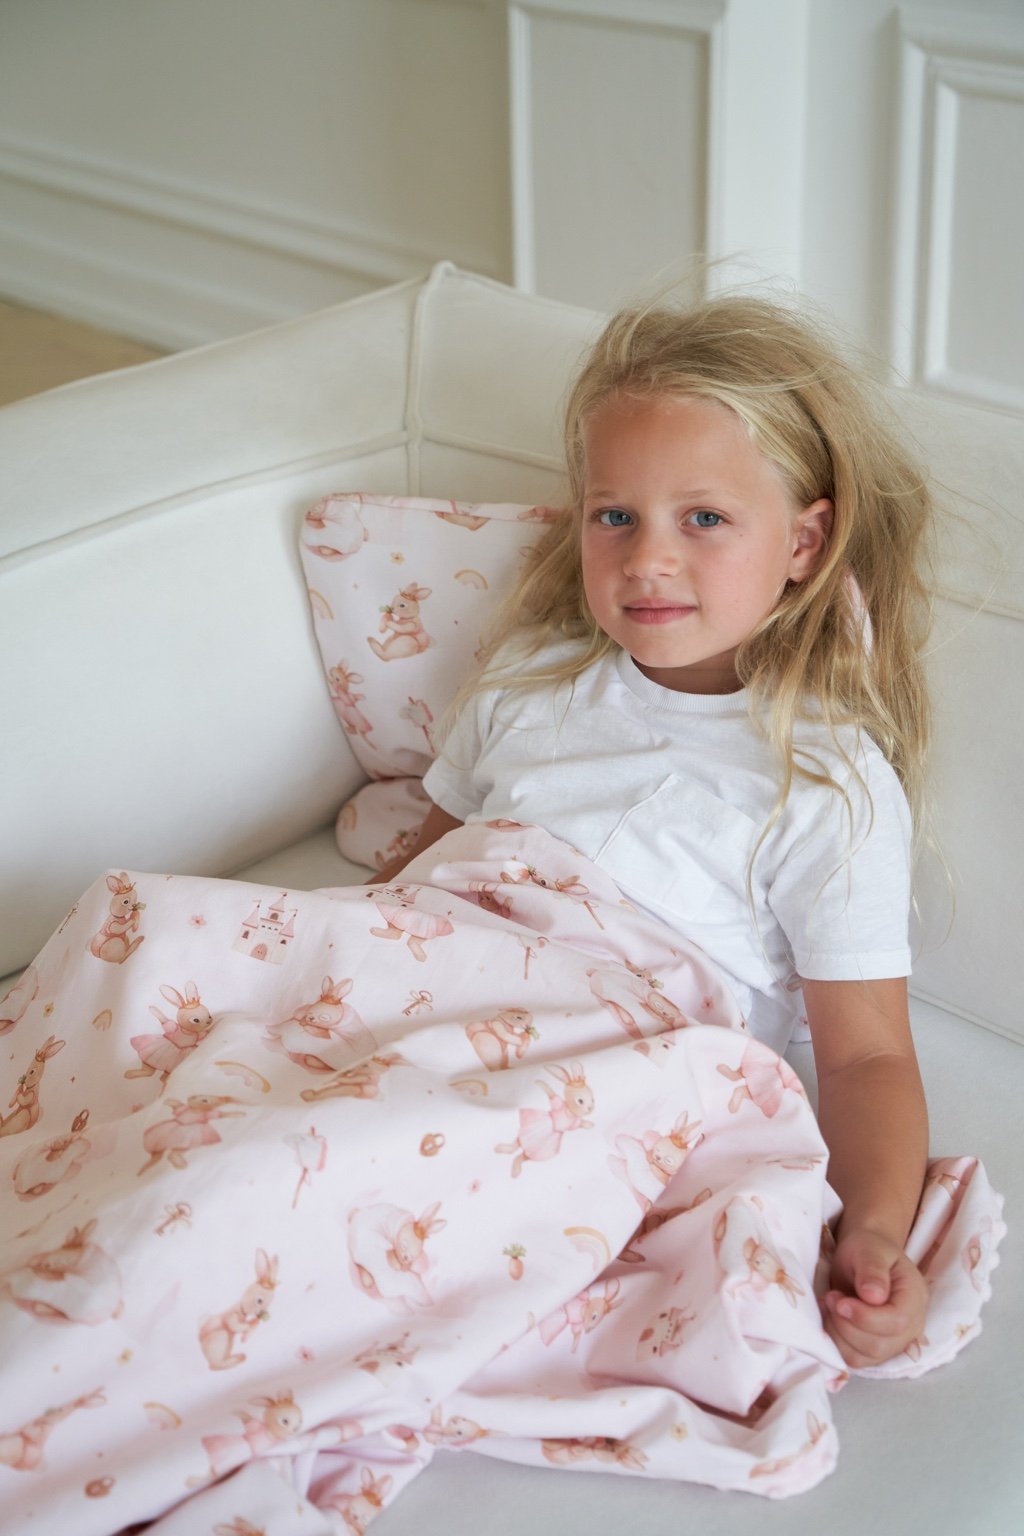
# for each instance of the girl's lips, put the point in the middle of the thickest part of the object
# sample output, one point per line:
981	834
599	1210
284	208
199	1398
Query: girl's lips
657	614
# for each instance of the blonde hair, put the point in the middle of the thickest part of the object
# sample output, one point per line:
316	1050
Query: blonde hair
813	416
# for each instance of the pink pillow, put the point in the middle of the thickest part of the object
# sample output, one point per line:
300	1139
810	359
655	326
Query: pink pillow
402	589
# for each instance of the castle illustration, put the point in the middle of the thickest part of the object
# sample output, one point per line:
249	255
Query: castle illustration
267	935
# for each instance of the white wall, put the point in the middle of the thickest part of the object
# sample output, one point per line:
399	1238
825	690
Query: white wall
188	169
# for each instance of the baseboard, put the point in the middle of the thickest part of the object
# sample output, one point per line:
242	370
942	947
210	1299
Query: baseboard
174	262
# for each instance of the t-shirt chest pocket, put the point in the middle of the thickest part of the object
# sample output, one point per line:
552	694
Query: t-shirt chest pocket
683	850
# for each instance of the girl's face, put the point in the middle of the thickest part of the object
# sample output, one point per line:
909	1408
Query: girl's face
689	536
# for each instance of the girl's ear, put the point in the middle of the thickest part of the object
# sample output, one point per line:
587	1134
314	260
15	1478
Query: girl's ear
813	529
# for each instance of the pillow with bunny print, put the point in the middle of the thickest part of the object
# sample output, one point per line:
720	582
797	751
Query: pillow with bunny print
402	590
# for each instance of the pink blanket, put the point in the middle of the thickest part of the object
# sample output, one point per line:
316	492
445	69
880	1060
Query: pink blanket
299	1188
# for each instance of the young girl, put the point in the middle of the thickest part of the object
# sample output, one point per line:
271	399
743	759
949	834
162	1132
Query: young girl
708	682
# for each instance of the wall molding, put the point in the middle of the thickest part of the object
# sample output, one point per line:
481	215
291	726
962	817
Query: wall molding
682	18
111	289
755	71
945	58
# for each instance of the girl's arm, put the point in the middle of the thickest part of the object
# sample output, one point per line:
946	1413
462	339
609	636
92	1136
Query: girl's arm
435	826
872	1112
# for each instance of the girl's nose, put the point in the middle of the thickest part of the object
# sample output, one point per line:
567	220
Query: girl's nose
651	553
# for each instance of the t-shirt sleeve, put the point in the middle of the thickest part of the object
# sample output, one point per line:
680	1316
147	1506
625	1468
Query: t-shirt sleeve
842	890
451	781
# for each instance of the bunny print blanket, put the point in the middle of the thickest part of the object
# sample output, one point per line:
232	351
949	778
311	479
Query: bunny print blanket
299	1189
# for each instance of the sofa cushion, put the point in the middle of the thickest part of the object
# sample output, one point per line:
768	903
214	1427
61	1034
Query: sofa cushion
402	589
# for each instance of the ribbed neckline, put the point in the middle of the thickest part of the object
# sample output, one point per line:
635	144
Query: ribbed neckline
678	703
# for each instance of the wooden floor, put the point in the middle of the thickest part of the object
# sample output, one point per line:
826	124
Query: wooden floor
39	351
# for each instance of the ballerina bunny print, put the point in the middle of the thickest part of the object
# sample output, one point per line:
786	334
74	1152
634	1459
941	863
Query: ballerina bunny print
763	1078
323	1035
48	1163
24	1105
335	529
280	1419
189	1127
23	1448
582	1314
346	701
541	1130
401	623
113	942
455	1432
387	1248
76	1283
630	992
360	1082
221	1335
655	1155
397	906
358	1509
190	1026
619	1453
744	1250
571	886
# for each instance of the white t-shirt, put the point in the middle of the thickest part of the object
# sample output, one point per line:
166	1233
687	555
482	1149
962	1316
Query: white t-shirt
669	792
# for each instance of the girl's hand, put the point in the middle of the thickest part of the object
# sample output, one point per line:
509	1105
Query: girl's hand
878	1302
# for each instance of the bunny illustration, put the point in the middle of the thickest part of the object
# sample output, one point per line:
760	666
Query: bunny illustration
46	1164
387	1248
76	1283
220	1336
15	1002
397	906
23	1449
189	1127
335	527
654	1154
653	1221
664	1333
488	895
541	1130
388	1361
358	1509
816	1431
24	1104
324	1035
112	942
164	1052
492	1039
346	701
630	991
361	1082
401	623
571	885
745	1253
456	1431
763	1078
566	1453
262	1434
582	1314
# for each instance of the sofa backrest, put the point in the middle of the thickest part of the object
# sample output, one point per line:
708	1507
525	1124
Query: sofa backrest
162	696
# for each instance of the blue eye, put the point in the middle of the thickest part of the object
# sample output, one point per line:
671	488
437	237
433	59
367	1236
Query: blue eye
614	517
706	519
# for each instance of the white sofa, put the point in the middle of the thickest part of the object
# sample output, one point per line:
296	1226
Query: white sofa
164	708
